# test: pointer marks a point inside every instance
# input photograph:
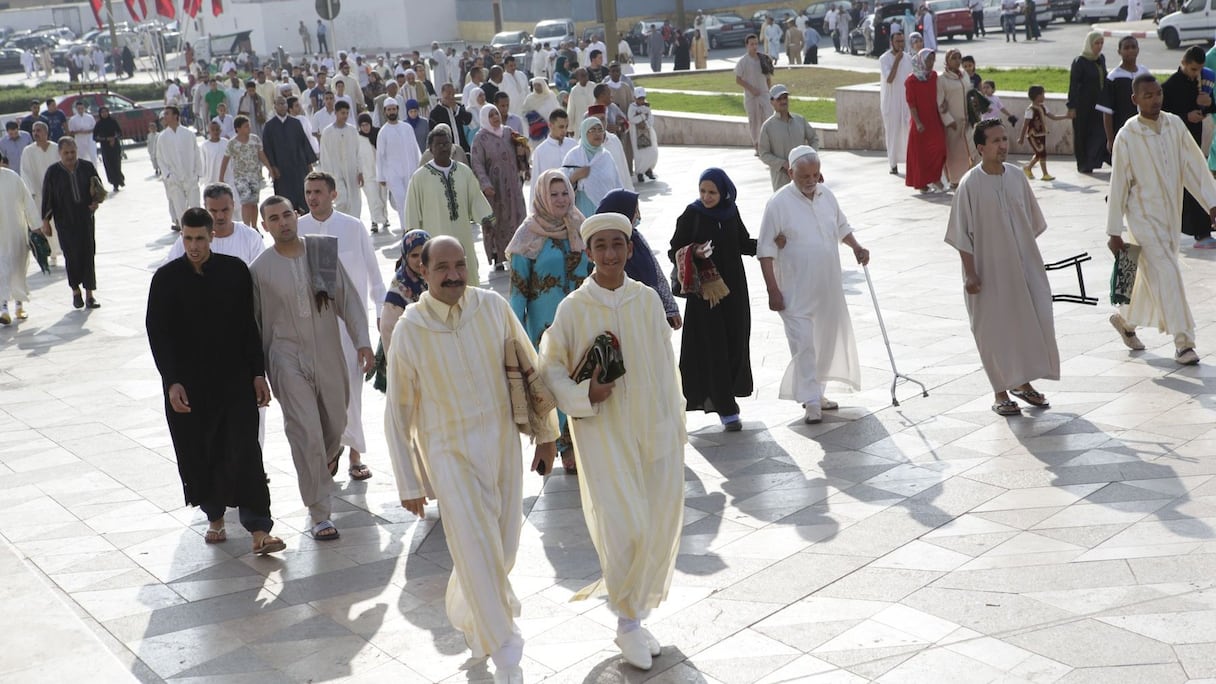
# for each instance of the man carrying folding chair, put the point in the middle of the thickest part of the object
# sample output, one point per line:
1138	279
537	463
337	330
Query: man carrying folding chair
994	221
798	252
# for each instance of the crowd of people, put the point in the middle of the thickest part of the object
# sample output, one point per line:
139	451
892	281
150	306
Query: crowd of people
545	168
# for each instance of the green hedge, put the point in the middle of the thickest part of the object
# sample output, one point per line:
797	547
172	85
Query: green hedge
14	99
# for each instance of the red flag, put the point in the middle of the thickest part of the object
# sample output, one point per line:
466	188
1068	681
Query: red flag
143	9
217	6
191	7
165	8
97	12
134	12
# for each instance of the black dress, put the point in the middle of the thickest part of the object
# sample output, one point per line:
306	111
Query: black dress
715	358
1180	93
66	198
680	53
204	337
1085	85
109	135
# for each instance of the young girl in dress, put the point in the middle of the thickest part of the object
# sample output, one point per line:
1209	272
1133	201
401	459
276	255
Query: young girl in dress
1034	130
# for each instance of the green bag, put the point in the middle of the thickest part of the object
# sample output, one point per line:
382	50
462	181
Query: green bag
1123	275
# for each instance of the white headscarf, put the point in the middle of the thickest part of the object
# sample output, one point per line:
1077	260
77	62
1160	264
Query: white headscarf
484	119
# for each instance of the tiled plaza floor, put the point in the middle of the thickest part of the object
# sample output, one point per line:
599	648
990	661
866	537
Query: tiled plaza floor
933	542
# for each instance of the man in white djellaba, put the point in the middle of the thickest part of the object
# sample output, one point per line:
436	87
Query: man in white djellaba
800	258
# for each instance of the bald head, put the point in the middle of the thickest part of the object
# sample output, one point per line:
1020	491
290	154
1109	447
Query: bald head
445	269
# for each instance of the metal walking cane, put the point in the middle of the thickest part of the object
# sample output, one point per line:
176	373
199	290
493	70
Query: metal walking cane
883	327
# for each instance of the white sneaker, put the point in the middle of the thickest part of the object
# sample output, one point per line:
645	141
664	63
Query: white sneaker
1186	357
828	405
1130	340
509	675
634	649
813	416
656	649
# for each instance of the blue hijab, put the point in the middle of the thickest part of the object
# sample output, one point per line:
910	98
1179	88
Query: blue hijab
641	266
725	209
405	278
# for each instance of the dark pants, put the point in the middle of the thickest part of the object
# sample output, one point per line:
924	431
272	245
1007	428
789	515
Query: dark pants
836	39
251	519
79	255
978	19
812	55
323	43
1032	26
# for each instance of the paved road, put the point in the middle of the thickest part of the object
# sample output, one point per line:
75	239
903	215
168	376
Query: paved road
928	543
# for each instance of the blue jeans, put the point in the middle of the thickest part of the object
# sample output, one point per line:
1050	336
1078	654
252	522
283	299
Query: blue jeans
1009	25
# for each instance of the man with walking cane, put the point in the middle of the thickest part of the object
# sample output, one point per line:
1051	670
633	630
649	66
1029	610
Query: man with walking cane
798	254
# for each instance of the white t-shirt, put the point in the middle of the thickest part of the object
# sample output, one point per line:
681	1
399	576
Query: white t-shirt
245	244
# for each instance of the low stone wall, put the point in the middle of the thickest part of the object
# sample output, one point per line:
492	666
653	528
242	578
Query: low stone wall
683	128
858	108
860	127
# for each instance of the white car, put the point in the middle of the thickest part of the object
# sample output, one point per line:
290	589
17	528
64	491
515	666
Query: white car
1111	9
1195	21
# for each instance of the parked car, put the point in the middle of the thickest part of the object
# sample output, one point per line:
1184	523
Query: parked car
31	41
992	16
780	15
952	18
10	60
1195	20
132	118
815	13
1111	9
593	32
727	29
1065	9
554	32
639	35
873	35
511	42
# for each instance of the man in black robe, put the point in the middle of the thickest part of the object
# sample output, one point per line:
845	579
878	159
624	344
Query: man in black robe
205	341
290	154
67	198
1183	96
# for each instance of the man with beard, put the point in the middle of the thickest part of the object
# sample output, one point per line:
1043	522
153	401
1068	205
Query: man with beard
290	154
397	157
1186	97
205	341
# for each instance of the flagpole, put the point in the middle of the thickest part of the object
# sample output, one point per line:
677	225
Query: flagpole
113	37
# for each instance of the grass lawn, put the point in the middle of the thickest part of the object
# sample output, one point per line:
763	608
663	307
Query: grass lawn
805	82
821	111
17	98
1055	80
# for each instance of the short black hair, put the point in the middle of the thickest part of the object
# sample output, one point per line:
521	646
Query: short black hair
291	101
341	104
594	54
172	108
980	136
217	190
323	176
1034	91
1195	55
558	113
500	96
599	90
239	121
197	217
1142	79
10	125
272	201
510	59
1124	39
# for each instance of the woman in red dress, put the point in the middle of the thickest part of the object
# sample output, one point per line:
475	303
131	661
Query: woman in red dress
927	136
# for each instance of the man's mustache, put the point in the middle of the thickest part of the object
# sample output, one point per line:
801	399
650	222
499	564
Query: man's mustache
452	283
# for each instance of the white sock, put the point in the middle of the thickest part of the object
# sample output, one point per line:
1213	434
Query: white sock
626	625
510	653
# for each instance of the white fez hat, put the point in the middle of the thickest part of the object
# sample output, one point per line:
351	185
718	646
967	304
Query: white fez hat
601	222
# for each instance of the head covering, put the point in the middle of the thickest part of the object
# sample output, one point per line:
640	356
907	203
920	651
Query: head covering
639	92
913	36
725	209
920	68
414	121
798	153
543	222
587	124
610	221
1090	38
777	91
623	202
371	135
406	279
896	27
487	124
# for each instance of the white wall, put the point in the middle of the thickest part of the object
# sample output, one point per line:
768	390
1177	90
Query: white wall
366	24
54	15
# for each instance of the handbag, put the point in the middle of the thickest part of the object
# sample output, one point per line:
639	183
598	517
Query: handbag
643	134
97	190
603	354
1123	275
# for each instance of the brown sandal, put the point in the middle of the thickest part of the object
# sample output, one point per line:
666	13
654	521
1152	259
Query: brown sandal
269	545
